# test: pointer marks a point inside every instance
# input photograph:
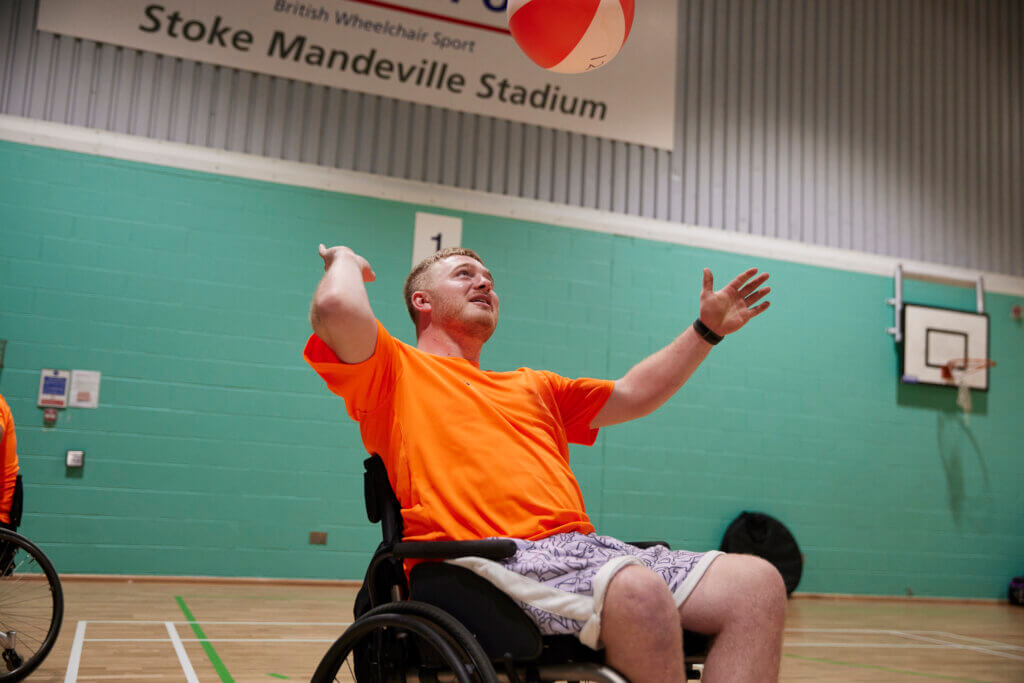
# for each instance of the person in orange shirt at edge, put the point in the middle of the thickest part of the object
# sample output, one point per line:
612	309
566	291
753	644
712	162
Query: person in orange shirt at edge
475	454
8	468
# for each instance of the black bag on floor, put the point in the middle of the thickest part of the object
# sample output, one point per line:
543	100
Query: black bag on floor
756	533
1016	591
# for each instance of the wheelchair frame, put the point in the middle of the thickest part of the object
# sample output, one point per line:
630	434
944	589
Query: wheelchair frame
467	646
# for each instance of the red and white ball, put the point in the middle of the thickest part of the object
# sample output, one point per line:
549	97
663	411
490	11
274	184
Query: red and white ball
570	36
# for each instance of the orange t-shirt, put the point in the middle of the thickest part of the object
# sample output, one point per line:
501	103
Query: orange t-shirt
8	461
470	454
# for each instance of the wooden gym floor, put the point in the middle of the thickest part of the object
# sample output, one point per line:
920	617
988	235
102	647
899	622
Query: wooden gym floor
140	631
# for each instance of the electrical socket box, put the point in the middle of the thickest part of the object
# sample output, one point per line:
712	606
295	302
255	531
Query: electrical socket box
318	538
75	459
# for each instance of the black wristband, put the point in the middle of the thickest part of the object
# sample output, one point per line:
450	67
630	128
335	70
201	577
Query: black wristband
706	334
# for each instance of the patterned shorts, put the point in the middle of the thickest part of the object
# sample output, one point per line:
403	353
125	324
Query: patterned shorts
561	580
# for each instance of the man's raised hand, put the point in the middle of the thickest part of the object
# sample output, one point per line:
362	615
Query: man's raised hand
729	309
330	255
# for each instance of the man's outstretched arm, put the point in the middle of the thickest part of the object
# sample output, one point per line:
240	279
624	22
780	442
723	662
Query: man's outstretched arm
340	313
652	381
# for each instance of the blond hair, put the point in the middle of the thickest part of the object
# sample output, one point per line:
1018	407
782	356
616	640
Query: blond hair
418	278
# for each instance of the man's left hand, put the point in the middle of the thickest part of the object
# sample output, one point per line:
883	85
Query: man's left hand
729	309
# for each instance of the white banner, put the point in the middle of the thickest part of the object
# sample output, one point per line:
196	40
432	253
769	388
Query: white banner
455	54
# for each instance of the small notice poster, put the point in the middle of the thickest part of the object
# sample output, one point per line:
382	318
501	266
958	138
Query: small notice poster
53	388
85	388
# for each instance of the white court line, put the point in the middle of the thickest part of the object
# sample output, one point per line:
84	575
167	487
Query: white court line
186	663
934	643
212	640
897	646
259	640
126	640
959	646
71	675
249	623
994	644
133	676
838	630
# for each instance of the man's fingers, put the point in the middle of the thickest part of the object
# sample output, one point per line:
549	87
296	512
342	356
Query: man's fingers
743	277
759	309
751	299
753	284
709	281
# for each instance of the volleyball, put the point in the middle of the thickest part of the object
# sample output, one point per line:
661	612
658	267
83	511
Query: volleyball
570	36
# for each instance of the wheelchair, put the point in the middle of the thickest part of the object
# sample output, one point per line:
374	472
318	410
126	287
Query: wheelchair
31	606
446	623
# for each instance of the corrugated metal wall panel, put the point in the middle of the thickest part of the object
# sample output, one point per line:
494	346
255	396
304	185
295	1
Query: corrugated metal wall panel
885	127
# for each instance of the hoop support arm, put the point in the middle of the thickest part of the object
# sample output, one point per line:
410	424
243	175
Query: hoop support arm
897	300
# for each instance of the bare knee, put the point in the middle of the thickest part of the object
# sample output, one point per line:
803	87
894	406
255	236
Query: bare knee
766	589
640	627
741	599
738	590
639	597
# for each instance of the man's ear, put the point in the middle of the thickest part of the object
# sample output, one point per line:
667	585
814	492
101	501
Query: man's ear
421	301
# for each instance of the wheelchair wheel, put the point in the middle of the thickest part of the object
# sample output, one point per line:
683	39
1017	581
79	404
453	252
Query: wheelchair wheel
31	606
403	641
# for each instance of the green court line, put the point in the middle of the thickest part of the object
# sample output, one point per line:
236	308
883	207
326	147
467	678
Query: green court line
279	676
885	669
218	665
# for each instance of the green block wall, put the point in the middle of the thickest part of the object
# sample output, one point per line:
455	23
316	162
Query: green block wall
216	450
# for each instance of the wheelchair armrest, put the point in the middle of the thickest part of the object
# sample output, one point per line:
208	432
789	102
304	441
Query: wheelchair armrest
649	544
492	549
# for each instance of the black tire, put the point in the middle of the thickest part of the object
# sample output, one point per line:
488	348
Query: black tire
384	629
31	606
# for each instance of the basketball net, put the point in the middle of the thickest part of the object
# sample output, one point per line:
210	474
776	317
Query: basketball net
957	371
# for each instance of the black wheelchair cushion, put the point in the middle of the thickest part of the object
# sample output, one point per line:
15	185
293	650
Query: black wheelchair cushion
499	624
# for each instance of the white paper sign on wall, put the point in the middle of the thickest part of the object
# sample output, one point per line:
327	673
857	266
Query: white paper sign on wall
85	388
434	232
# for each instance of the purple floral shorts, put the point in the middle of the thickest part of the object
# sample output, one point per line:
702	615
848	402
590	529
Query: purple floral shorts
561	580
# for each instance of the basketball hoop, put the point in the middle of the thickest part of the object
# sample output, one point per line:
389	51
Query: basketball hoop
957	371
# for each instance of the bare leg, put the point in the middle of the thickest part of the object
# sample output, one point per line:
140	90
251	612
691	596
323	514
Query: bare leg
742	600
640	627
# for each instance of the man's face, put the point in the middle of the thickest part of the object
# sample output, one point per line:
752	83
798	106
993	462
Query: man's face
462	295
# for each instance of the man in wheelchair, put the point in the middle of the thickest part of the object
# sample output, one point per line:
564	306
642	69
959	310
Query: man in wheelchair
473	454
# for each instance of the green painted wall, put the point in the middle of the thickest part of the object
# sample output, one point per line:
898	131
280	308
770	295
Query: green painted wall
215	450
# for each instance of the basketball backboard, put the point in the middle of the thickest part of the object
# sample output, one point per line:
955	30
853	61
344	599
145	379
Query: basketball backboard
934	336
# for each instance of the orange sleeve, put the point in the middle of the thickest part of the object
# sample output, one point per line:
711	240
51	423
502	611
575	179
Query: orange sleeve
9	462
579	400
364	386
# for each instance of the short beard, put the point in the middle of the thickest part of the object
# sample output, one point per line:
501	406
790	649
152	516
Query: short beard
476	328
